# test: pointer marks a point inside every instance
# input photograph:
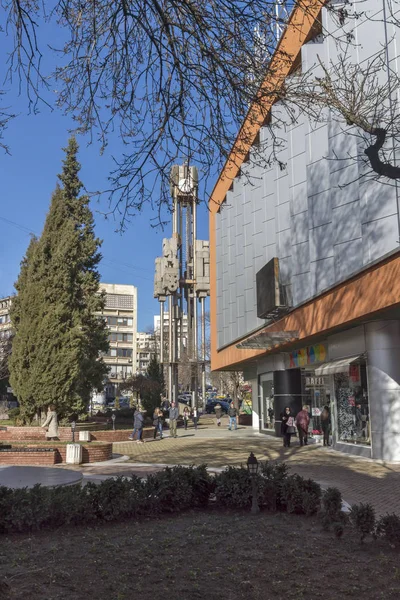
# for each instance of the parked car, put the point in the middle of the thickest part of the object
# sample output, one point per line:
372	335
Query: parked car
211	404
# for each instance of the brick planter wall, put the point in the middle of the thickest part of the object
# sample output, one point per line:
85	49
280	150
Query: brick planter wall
90	454
27	434
28	458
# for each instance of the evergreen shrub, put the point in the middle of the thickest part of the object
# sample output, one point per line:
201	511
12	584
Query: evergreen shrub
362	517
301	496
388	527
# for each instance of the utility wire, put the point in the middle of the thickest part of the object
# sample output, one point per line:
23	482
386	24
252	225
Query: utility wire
104	258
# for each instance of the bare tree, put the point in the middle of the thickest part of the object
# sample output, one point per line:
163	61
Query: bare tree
173	78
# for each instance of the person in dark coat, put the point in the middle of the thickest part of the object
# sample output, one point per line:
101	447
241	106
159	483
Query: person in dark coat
326	424
138	421
158	419
302	423
287	426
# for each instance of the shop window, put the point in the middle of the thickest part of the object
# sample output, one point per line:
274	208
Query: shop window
352	407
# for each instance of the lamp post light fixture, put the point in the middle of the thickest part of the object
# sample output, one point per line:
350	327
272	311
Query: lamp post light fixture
73	427
252	467
113	416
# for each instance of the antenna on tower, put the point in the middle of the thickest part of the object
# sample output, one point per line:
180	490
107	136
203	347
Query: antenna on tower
281	17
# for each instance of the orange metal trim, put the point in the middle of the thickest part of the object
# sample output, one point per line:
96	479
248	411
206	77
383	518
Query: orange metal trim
374	290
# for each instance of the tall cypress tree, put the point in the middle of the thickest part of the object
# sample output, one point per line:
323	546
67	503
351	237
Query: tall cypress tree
58	333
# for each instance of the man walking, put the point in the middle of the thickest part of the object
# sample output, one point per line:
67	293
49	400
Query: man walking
232	414
138	421
173	419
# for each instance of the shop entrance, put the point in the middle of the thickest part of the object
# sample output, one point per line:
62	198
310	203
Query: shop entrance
316	395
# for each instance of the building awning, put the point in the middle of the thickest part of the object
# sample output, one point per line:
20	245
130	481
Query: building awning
265	340
337	366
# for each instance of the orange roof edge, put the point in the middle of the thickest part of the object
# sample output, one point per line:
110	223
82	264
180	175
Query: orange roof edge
300	24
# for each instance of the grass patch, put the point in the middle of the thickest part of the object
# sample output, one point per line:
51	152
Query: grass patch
226	555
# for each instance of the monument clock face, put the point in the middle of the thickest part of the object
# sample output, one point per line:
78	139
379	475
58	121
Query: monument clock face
185	186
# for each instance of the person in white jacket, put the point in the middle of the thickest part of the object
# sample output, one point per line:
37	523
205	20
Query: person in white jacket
51	423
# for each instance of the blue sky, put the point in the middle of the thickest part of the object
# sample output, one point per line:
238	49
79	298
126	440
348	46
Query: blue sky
27	178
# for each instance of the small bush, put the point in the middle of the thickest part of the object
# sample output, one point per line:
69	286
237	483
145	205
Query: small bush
274	474
300	496
13	413
388	527
362	517
233	488
331	512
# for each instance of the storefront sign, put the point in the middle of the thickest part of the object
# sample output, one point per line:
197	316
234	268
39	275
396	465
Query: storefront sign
307	356
314	381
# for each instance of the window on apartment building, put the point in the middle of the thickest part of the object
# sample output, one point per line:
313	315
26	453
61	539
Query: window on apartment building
125	352
120	321
120	337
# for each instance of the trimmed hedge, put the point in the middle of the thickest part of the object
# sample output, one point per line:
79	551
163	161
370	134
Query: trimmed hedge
181	488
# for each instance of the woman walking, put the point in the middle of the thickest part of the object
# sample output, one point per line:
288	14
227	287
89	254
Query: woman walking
195	417
158	418
287	426
302	422
186	415
326	424
51	423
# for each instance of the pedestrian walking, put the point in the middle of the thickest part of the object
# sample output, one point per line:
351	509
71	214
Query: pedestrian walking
138	420
158	419
173	419
287	426
218	413
195	417
186	415
326	424
302	423
51	423
232	414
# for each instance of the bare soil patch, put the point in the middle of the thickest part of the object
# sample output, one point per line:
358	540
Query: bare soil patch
211	555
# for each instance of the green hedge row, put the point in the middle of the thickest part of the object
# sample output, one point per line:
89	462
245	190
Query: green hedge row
181	488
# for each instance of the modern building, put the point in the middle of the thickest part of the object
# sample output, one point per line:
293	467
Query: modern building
305	259
120	313
145	351
157	329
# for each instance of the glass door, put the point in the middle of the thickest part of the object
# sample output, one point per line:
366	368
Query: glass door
266	402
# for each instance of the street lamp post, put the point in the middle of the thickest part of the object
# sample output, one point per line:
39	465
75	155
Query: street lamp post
113	420
73	427
252	467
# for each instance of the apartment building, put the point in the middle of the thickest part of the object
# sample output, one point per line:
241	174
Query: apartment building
5	319
184	321
145	351
120	313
